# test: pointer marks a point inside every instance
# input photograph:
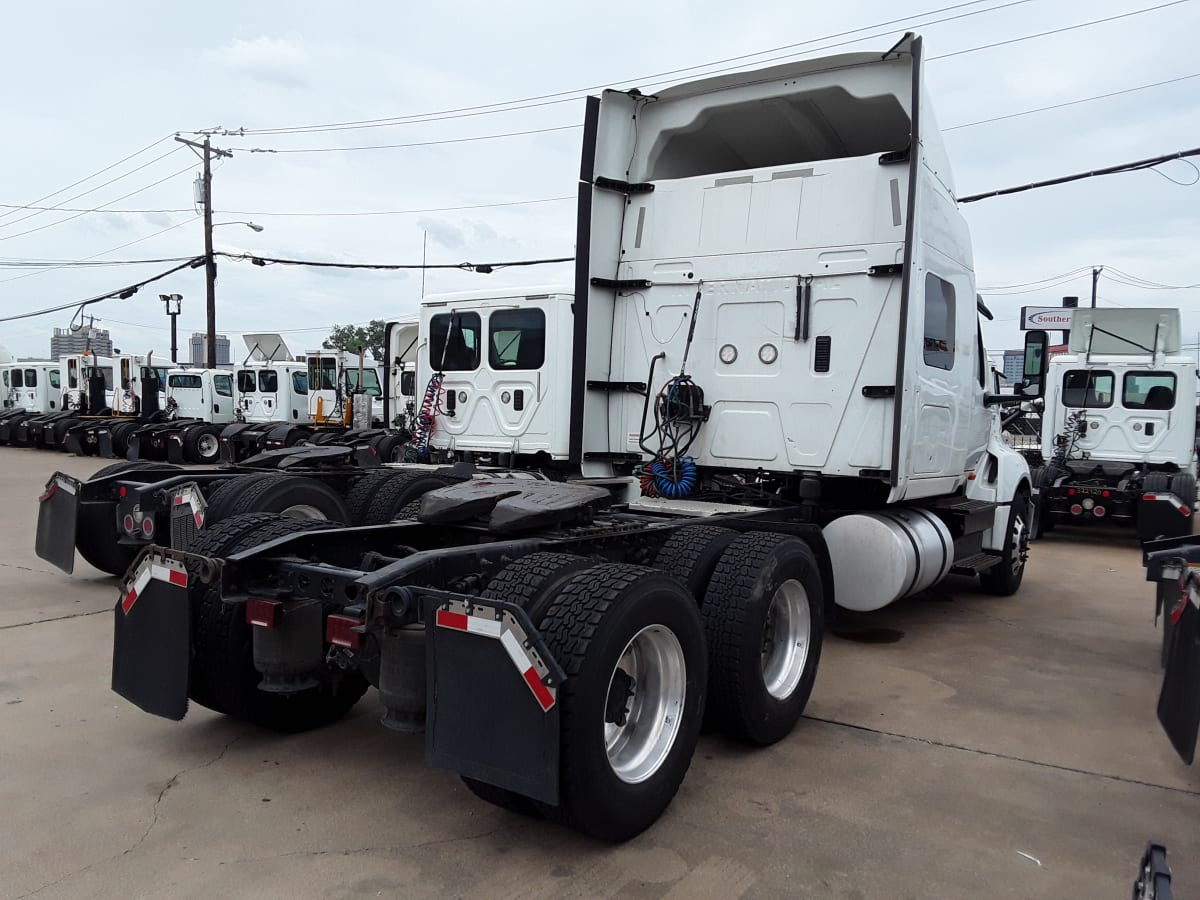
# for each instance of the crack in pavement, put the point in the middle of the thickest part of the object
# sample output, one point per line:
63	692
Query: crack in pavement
394	848
171	782
1188	792
94	612
4	565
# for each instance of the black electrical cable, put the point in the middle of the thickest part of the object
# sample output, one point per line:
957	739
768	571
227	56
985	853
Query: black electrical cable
123	293
1135	166
462	140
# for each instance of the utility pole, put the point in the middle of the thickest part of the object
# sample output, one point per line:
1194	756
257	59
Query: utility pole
1096	270
210	262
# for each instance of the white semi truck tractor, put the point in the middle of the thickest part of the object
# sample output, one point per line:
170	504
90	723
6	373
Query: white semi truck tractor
640	499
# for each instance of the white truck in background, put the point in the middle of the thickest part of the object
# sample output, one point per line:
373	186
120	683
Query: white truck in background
1119	426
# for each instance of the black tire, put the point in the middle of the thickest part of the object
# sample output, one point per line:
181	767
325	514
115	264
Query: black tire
737	612
1004	579
1156	482
587	628
292	496
381	499
119	436
202	444
692	553
59	430
533	581
1183	486
411	511
388	447
222	676
1038	514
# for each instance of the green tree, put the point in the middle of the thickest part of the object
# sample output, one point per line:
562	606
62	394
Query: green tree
351	337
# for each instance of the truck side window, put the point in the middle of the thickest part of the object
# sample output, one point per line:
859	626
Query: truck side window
1087	389
454	342
223	385
246	381
299	383
185	382
31	378
268	381
939	322
54	380
518	339
1148	390
107	372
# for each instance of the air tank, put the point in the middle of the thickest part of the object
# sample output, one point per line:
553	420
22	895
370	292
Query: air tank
880	557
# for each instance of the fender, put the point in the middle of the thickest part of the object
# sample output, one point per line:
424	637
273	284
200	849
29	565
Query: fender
999	476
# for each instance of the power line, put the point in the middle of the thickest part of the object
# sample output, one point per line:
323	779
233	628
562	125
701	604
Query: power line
331	214
461	140
1028	112
482	268
71	218
90	177
1029	37
83	264
123	293
579	93
1110	170
93	190
1133	281
105	252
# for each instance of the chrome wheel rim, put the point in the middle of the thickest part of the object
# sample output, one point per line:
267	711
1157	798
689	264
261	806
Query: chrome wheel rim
1020	543
786	639
644	705
207	445
303	511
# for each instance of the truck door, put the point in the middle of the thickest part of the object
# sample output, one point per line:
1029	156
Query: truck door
268	394
248	398
516	356
1149	401
455	350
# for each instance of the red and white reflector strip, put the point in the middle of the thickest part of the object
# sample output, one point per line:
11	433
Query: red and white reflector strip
481	620
189	495
1184	509
152	568
56	484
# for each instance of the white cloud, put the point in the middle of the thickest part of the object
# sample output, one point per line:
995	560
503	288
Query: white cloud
274	60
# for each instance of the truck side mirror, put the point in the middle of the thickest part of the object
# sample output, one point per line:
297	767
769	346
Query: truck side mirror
1036	344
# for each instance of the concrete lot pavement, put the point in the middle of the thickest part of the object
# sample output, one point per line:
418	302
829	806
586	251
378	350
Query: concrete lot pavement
947	736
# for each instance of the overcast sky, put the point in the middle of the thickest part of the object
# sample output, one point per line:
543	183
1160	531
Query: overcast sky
88	84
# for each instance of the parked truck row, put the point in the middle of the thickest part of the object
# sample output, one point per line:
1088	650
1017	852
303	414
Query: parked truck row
132	407
628	505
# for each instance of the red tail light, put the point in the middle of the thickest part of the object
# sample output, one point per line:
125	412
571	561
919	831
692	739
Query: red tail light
128	524
339	630
148	526
122	491
263	613
1070	492
1105	494
1076	509
1098	512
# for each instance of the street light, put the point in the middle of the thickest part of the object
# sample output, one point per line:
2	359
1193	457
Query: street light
172	302
210	269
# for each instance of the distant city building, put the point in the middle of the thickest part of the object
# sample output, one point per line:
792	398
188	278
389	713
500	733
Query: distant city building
65	342
200	349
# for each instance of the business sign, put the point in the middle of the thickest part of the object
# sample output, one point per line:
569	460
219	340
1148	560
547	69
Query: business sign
1045	318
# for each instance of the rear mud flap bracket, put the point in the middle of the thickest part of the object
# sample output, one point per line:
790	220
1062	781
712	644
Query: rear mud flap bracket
492	705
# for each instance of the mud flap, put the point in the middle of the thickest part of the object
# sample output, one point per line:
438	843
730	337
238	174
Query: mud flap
1179	700
104	447
1162	515
73	441
152	636
492	710
58	516
175	448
